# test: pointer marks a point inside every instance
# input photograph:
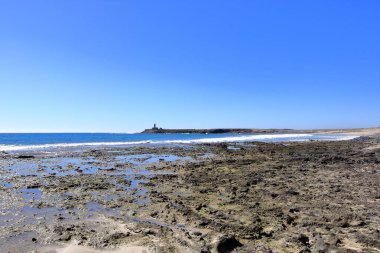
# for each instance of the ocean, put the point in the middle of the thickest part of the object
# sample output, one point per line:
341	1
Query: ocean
47	141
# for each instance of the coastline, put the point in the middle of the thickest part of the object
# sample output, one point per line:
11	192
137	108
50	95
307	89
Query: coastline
250	196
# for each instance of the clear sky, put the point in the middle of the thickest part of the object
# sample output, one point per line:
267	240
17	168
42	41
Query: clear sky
120	66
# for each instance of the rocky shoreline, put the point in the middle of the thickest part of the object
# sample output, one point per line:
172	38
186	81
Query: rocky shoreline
315	196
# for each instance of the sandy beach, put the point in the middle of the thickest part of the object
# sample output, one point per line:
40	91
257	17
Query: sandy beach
314	196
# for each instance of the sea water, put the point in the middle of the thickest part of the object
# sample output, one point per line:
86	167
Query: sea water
46	141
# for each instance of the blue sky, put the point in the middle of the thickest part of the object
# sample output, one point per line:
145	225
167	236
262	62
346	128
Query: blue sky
120	66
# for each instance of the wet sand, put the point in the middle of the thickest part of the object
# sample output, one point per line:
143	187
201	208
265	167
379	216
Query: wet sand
320	196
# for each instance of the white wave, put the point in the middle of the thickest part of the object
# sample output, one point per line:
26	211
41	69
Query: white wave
68	145
243	138
239	138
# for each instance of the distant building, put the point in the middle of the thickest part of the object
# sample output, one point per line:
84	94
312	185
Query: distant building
154	127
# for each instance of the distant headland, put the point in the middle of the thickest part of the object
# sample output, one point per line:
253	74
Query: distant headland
159	130
214	131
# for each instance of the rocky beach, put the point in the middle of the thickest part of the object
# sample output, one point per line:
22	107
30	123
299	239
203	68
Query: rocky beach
189	126
312	196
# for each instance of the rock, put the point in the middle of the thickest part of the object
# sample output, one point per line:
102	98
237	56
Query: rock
244	189
196	233
205	250
203	223
294	210
25	156
292	192
320	246
34	186
226	244
148	232
274	195
304	240
199	207
357	223
65	237
119	235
